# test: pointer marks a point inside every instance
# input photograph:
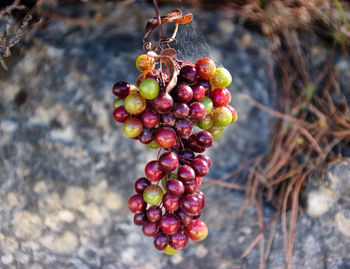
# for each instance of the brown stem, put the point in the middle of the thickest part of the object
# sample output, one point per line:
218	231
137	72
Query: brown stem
155	4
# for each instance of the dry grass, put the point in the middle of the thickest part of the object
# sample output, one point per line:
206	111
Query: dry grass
311	128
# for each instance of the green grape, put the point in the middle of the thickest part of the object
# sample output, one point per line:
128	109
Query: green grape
169	250
153	144
153	194
221	78
132	127
208	103
222	117
149	88
216	132
206	123
134	103
118	102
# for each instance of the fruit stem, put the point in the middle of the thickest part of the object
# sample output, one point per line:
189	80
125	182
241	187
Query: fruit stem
155	4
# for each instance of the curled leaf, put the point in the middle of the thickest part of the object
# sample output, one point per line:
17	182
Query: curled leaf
185	19
175	16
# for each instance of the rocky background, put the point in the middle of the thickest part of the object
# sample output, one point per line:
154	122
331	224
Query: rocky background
67	170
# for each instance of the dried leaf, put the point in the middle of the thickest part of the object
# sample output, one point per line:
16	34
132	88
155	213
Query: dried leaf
173	16
168	56
185	19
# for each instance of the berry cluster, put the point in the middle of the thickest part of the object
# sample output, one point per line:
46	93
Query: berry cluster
168	203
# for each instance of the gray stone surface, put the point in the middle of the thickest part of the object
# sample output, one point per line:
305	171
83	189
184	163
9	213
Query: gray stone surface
66	169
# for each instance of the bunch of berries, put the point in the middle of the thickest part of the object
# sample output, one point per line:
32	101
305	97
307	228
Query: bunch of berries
168	203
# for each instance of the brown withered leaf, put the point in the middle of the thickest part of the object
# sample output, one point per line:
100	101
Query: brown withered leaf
173	16
185	19
168	56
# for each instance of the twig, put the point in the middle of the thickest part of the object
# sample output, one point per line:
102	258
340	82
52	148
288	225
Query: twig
155	4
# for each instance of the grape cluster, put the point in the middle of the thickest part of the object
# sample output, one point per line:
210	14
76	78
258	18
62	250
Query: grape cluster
168	203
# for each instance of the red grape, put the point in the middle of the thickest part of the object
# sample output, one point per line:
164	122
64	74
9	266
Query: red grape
136	203
169	223
205	68
121	89
141	184
168	161
153	171
150	228
166	137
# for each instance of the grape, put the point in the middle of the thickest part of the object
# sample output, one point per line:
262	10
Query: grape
153	194
233	112
178	240
206	123
208	104
160	241
140	219
181	110
192	144
221	78
200	167
120	114
201	196
205	158
188	73
216	132
150	228
190	204
186	154
150	118
167	119
197	230
220	97
186	173
143	63
206	85
153	144
175	187
183	127
198	92
118	102
163	103
205	68
121	89
191	186
197	111
184	218
149	88
154	213
153	171
168	161
169	250
136	203
184	93
141	184
204	139
171	202
166	137
146	136
222	117
132	127
169	223
134	103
